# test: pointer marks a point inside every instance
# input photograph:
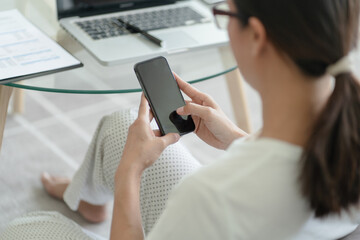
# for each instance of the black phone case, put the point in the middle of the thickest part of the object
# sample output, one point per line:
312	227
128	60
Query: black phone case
183	126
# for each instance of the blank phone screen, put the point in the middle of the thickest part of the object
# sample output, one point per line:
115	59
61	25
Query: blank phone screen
163	94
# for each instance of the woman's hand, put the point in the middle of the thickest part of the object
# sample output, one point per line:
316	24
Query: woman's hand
144	145
211	123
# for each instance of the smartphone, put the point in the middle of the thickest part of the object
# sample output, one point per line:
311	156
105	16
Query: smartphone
163	94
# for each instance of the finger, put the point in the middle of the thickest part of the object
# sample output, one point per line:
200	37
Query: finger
188	101
144	108
185	87
169	139
157	133
151	115
195	110
189	90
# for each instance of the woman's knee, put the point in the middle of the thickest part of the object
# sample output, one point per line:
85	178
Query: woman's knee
118	122
113	138
42	225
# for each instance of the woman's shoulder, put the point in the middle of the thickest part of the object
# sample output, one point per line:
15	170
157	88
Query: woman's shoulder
250	157
262	165
264	148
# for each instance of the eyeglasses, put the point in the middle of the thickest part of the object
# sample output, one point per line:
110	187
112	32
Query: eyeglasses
222	15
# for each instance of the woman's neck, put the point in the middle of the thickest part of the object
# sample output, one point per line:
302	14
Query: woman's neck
291	104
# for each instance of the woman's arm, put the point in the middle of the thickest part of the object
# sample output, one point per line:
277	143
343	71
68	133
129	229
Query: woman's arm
143	146
126	221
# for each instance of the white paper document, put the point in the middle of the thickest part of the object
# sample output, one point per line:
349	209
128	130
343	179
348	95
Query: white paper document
27	52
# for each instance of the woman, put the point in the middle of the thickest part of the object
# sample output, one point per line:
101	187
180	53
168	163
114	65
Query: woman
297	179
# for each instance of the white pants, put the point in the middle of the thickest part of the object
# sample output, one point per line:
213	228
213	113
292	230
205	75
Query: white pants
94	183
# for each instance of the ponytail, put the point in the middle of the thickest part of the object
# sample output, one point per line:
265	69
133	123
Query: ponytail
330	164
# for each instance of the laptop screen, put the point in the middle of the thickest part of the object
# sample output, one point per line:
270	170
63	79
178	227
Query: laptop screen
70	8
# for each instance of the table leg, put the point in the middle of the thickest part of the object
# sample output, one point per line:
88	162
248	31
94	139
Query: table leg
18	100
21	5
237	94
235	83
5	93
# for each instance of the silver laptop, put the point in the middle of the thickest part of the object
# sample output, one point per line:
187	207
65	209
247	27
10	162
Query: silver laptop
181	25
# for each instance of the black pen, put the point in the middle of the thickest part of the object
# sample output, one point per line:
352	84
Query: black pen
135	29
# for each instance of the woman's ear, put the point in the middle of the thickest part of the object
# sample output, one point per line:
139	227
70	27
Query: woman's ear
258	35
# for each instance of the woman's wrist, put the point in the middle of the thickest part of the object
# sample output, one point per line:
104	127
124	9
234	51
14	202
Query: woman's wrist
236	133
127	169
239	133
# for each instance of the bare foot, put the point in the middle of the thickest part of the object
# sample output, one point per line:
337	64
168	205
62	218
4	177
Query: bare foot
56	186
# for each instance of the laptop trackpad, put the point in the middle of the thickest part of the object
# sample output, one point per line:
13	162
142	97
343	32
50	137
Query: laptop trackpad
176	39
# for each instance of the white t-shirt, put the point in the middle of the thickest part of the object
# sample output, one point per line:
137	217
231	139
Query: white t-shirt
251	193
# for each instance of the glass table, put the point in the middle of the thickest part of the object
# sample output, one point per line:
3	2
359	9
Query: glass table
94	78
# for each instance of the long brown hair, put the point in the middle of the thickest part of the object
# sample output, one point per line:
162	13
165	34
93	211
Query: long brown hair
316	34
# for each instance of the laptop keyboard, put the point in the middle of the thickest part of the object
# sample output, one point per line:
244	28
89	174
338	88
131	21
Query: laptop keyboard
159	19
